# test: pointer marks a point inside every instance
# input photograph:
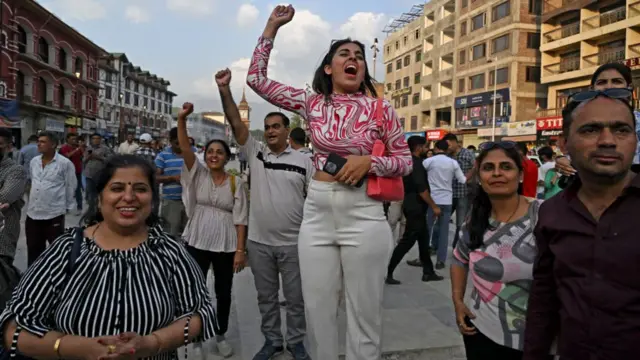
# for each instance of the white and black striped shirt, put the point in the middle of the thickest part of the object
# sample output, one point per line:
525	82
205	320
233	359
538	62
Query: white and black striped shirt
109	292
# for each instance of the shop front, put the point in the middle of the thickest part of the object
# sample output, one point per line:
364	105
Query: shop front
475	112
548	128
54	125
521	131
435	135
407	135
73	125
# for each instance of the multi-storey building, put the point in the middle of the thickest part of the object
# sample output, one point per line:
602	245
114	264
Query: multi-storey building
577	37
497	58
134	99
48	68
402	57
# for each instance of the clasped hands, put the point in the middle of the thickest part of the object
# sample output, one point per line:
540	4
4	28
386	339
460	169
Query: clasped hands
127	345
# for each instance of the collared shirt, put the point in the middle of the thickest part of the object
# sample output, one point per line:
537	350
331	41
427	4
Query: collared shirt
12	182
170	164
278	188
305	150
415	184
443	171
76	159
126	148
530	178
28	151
586	282
53	188
148	154
465	159
92	167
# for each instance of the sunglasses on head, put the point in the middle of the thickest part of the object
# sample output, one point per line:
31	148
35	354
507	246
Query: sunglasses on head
490	145
615	93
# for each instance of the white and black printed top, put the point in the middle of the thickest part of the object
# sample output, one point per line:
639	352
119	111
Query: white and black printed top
138	290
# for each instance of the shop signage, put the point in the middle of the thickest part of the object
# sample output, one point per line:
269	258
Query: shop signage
397	93
482	122
549	123
88	124
500	131
130	129
54	125
521	128
633	62
502	95
407	135
73	121
550	133
435	135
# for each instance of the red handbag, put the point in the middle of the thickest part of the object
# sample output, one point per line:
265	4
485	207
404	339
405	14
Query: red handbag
378	187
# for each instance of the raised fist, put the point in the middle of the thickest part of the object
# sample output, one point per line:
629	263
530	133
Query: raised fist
223	77
187	109
281	15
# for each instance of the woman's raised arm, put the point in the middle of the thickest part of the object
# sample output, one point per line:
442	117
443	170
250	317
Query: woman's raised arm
280	95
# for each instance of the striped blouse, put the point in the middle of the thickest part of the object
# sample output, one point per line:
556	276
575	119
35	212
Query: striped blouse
109	292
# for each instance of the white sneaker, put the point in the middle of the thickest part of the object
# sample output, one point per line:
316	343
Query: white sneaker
198	353
224	348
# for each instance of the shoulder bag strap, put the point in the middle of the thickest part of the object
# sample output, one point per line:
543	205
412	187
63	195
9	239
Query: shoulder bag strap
75	251
233	186
379	115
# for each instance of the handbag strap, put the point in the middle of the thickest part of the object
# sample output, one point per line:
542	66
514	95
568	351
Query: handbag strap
379	115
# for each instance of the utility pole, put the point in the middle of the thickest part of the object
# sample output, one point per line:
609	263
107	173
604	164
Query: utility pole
375	50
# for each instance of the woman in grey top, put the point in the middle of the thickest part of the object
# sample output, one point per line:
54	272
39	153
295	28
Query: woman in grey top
216	205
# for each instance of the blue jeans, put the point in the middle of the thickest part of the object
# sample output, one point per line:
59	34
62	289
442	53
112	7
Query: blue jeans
443	230
79	191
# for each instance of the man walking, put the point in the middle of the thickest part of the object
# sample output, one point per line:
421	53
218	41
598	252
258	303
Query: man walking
242	158
297	140
415	204
95	156
169	164
73	151
279	175
128	147
145	151
29	151
53	186
586	286
460	201
13	180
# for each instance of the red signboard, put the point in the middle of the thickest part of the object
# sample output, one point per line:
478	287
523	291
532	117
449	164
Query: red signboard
435	135
549	123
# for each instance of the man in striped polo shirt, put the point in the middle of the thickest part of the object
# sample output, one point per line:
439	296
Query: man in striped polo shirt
169	167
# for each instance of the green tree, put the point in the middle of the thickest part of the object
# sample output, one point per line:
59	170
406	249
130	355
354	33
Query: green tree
257	134
296	121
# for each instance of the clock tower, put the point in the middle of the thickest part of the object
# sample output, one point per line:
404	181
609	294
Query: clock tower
245	110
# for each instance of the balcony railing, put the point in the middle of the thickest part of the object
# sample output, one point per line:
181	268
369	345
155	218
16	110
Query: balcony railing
565	65
552	5
606	18
548	113
606	56
562	32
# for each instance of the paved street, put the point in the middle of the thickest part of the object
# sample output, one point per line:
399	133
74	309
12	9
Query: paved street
418	317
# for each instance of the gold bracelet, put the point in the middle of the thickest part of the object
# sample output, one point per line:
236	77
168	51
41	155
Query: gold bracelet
157	337
56	346
241	251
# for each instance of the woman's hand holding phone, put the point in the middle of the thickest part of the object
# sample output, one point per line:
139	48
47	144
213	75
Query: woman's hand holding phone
356	167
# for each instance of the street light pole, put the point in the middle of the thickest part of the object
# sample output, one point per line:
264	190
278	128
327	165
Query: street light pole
495	98
375	50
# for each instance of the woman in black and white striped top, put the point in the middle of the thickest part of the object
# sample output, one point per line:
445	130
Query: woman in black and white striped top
133	291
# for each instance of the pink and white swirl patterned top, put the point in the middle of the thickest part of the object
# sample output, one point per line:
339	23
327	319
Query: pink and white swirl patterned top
345	125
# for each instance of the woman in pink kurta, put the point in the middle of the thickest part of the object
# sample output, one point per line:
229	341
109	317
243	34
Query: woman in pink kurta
345	241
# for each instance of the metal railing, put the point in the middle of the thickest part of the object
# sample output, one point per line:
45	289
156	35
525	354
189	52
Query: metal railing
567	64
552	5
605	56
562	32
606	18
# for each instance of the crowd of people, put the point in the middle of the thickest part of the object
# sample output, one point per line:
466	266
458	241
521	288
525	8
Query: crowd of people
549	250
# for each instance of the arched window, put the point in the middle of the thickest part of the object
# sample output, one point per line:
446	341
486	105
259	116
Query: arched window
22	40
79	65
42	91
62	59
61	96
43	49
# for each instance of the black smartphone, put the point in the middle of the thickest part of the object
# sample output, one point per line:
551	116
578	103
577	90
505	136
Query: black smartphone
334	164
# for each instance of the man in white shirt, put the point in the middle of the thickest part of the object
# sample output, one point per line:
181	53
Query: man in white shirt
129	146
545	154
441	170
297	140
53	188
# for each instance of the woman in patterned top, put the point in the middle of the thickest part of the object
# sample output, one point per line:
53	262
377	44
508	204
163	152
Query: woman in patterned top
497	248
345	240
118	288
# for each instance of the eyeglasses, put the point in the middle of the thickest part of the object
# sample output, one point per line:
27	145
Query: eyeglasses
615	93
490	145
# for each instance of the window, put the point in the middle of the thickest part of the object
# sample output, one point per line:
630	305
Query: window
476	82
136	87
417	34
127	97
463	56
503	76
127	84
388	49
418	56
405	100
389	68
464	3
22	40
533	41
500	44
402	122
389	87
416	78
463	28
136	100
404	41
501	11
407	60
43	49
533	74
397	45
108	77
477	22
107	92
61	96
535	7
479	51
396	103
79	67
398	64
42	92
461	85
414	122
62	59
398	84
405	82
416	99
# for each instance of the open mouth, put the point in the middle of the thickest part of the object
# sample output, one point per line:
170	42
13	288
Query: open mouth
351	70
127	211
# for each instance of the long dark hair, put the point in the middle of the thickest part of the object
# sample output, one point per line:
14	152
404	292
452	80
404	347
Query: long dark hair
322	83
478	222
93	216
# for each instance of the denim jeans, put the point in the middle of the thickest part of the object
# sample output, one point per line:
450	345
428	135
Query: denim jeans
461	208
79	191
443	230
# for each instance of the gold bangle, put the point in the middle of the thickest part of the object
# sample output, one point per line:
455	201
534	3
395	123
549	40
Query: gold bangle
56	346
241	251
157	337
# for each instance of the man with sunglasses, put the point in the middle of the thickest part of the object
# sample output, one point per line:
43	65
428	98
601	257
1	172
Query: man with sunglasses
585	279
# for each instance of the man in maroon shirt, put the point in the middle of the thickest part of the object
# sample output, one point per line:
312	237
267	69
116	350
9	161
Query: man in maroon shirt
72	151
530	176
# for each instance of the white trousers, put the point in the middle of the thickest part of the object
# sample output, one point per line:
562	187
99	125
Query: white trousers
345	243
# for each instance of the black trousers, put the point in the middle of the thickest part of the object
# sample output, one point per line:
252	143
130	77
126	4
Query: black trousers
480	347
222	264
39	233
415	230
